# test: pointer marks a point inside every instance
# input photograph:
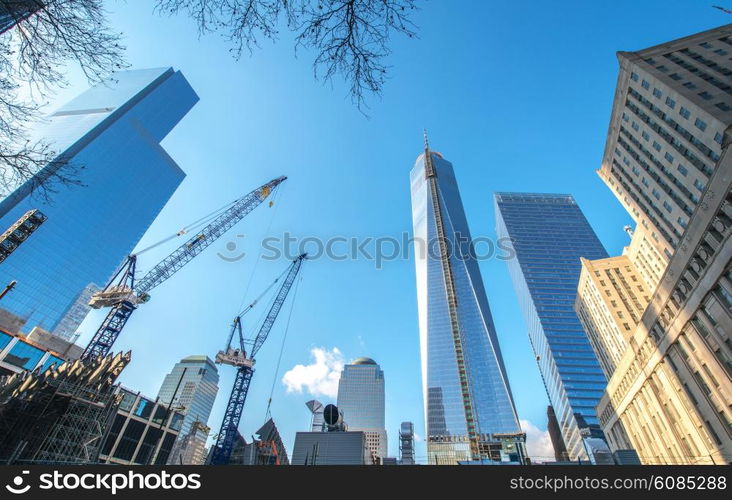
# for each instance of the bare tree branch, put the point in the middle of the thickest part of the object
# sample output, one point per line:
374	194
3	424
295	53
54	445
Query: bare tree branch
350	37
242	22
38	38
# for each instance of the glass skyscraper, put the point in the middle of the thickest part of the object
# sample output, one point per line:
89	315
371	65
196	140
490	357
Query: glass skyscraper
191	388
549	233
466	392
111	136
361	400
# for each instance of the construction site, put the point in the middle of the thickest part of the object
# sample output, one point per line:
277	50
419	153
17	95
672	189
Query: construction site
62	405
59	416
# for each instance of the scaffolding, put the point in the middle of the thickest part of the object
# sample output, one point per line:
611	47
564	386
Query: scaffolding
59	416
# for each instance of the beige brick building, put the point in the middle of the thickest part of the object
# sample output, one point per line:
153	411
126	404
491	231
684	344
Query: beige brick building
671	111
667	162
644	255
610	301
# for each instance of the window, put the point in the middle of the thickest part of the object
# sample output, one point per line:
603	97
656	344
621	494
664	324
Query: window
668	206
721	52
684	112
657	92
129	441
689	85
706	45
160	414
705	95
682	222
119	421
149	443
675	76
645	135
684	171
718	138
128	400
700	124
635	126
670	103
656	146
645	85
723	106
636	171
634	76
699	185
724	294
144	408
24	355
625	117
669	158
4	340
656	194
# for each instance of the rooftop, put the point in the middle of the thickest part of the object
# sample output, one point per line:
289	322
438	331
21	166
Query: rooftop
363	361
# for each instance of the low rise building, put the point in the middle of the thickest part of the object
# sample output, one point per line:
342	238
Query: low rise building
331	448
143	431
266	448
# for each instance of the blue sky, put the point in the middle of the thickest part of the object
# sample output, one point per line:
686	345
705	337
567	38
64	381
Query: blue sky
516	95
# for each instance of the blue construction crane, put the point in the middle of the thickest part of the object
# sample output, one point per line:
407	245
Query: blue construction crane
123	294
244	363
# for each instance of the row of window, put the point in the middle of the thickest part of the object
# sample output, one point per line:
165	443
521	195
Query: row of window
24	355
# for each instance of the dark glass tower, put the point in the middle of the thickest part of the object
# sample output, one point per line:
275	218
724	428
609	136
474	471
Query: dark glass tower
111	135
550	234
466	392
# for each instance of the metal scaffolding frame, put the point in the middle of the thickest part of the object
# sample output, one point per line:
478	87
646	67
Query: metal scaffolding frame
59	416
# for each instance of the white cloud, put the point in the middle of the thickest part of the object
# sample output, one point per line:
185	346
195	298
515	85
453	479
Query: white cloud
319	378
538	443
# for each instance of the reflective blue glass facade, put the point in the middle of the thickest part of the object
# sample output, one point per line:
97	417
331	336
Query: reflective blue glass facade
463	376
111	134
197	381
17	354
549	233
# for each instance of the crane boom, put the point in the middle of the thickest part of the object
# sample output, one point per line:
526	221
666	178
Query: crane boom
195	245
245	368
274	310
123	294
